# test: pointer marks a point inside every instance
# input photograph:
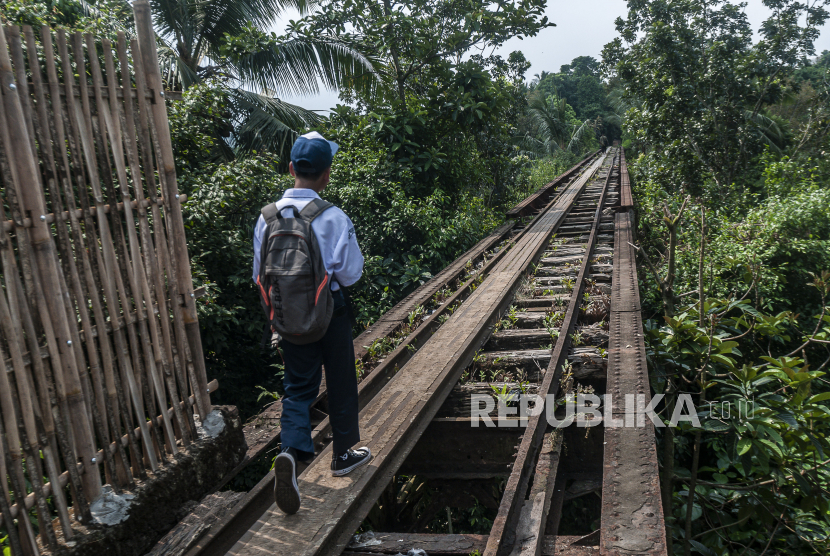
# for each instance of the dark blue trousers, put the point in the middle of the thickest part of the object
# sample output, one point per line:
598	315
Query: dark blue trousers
303	373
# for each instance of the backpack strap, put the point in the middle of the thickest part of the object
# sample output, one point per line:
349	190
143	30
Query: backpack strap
269	212
313	209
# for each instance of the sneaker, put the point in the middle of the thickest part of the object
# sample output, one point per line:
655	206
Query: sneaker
350	460
286	491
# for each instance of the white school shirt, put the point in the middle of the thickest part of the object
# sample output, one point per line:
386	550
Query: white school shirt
335	237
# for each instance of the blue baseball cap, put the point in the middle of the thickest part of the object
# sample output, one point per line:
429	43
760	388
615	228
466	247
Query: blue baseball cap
312	153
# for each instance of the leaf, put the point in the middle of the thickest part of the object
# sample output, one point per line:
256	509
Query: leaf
700	548
770	445
716	426
807	503
819	397
746	512
787	418
720	478
723	360
744	444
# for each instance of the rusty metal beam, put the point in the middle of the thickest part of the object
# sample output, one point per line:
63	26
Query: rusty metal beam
632	520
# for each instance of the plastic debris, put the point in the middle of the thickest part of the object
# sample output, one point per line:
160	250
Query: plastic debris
364	539
111	508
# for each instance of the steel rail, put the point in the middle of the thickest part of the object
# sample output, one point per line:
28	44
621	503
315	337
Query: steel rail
631	519
502	536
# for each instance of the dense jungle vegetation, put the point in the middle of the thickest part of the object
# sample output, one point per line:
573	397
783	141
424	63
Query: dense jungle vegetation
728	142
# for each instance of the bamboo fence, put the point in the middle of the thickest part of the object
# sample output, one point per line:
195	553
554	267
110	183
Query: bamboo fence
102	361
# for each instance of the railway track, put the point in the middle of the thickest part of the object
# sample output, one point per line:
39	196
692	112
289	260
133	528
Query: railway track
547	306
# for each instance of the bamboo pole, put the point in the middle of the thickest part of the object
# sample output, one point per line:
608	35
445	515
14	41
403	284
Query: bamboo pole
14	462
178	345
164	353
97	280
171	264
108	271
51	217
63	479
24	171
152	344
50	381
24	406
114	232
81	276
28	430
147	43
44	135
11	531
33	463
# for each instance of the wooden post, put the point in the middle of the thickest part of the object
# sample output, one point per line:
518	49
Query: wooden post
149	56
26	177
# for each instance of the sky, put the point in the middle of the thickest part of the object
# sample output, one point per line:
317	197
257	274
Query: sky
583	27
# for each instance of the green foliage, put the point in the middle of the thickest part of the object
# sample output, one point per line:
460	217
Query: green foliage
765	421
554	127
698	85
778	234
784	237
101	18
224	200
545	170
580	84
236	52
421	42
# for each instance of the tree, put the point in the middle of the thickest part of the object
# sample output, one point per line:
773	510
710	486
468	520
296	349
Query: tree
421	40
580	84
103	18
224	40
554	126
700	85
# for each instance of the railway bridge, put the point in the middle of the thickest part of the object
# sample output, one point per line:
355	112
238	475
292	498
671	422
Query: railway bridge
104	375
546	305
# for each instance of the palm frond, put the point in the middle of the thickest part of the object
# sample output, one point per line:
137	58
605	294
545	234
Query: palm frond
768	130
548	118
267	123
533	147
579	133
299	65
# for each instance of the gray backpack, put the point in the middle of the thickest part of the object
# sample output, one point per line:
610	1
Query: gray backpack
294	287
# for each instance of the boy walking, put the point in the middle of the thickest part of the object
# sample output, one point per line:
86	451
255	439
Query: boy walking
305	354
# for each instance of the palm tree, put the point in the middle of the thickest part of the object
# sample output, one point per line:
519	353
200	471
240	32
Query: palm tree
223	40
552	129
538	78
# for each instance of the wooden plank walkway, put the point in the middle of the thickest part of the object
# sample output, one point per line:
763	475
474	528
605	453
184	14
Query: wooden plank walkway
332	508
